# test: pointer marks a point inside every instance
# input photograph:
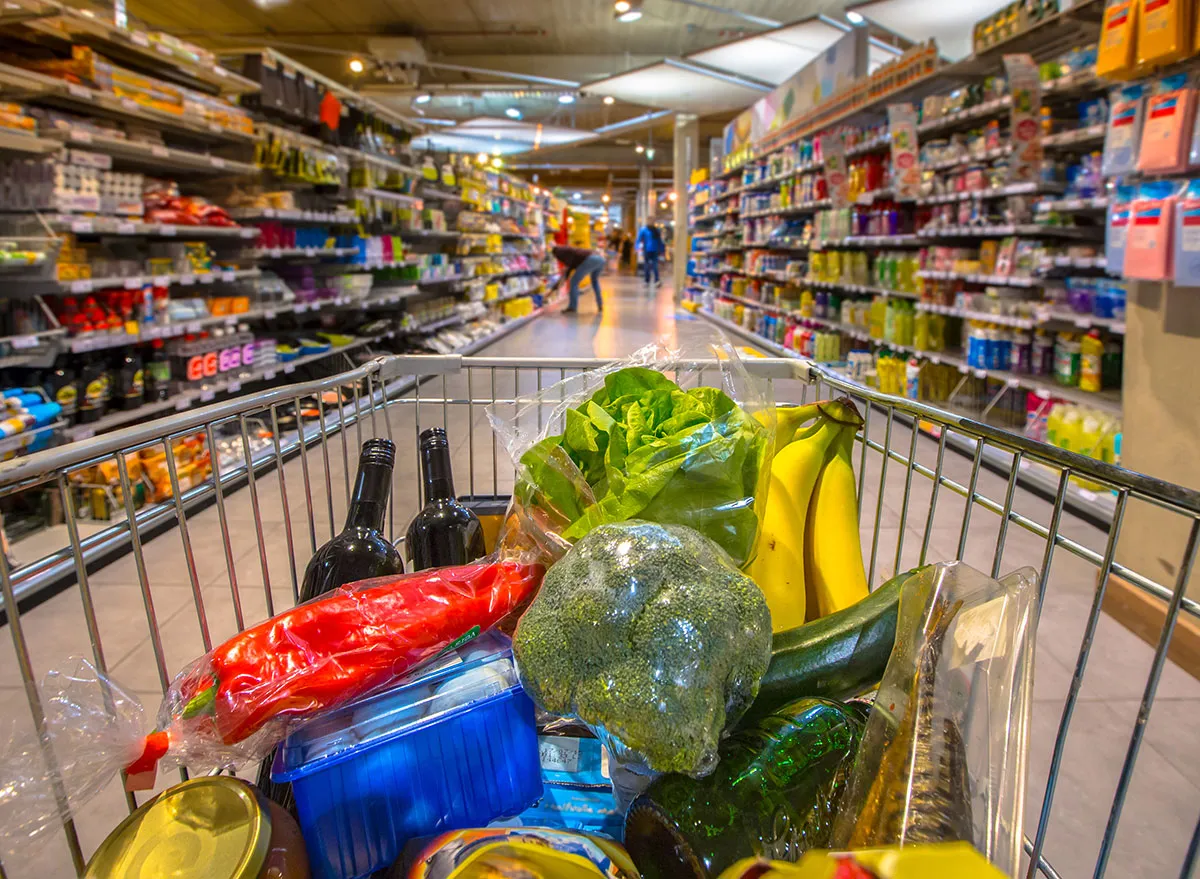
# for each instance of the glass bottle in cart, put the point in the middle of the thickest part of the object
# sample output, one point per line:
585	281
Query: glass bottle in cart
445	532
361	551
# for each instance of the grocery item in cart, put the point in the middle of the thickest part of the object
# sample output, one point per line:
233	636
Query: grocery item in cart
954	860
454	746
774	793
206	828
520	853
628	442
445	531
648	634
236	702
943	755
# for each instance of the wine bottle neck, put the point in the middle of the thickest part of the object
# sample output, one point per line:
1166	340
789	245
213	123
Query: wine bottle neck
435	468
368	504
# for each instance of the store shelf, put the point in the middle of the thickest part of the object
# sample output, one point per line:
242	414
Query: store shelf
21	84
970	159
706	218
289	252
780	243
864	289
148	156
136	282
871	241
996	192
13	142
386	162
805	207
436	194
127	44
292	216
429	233
1027	230
386	195
124	226
993	280
1099	203
1078	137
969	117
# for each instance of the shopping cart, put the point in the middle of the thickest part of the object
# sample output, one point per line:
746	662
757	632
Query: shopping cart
913	461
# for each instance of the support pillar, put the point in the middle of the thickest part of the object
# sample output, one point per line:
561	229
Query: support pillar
687	148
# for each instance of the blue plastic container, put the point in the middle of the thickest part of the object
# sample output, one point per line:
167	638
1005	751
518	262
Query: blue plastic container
454	747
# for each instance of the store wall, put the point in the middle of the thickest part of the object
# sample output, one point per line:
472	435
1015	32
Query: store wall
1161	400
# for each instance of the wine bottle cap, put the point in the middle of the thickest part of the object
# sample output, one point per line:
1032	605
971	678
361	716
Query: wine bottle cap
378	451
434	438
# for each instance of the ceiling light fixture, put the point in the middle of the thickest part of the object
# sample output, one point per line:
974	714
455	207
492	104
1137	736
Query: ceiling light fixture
566	99
855	17
605	198
423	99
639	149
610	100
672	196
497	162
650	153
577	196
512	113
627	10
482	158
357	66
629	17
622	6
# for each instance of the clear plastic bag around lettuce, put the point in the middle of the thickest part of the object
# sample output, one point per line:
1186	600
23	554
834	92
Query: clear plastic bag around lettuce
239	700
943	755
650	636
646	438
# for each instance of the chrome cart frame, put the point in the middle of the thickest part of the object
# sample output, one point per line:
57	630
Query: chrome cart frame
396	397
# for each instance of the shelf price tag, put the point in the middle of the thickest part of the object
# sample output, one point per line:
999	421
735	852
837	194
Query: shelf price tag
1025	118
187	280
79	91
234	387
161	151
84	286
207	395
139	39
167	231
126	228
83	227
23	342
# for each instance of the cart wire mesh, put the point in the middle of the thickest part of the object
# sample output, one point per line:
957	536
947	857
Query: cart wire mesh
228	501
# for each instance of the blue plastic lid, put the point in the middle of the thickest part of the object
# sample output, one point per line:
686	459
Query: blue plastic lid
480	670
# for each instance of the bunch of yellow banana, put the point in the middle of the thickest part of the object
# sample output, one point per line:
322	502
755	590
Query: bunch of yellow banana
809	558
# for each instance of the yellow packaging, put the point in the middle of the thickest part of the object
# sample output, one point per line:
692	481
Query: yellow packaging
950	860
1115	55
1162	31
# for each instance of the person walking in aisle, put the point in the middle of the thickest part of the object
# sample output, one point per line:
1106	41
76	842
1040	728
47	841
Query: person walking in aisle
650	243
579	262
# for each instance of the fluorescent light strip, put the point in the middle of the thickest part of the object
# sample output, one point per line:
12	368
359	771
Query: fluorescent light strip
634	122
719	74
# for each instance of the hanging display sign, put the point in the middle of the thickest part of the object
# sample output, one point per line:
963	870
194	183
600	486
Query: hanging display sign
906	164
1025	126
837	174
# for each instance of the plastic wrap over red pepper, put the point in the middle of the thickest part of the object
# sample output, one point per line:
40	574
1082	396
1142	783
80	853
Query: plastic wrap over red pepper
231	704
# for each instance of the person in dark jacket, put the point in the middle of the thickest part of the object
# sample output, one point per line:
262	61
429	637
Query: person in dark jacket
578	263
650	242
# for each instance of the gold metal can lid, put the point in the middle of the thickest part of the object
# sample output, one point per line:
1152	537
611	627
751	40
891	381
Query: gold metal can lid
205	828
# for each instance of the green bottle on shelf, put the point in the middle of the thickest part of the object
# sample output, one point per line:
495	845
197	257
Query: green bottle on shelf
774	793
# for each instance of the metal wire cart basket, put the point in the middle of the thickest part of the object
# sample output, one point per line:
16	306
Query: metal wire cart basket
229	501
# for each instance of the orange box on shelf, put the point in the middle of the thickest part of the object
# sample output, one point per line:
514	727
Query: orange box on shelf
1163	31
1116	55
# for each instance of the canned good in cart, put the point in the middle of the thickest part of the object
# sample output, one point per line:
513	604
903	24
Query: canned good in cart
678	699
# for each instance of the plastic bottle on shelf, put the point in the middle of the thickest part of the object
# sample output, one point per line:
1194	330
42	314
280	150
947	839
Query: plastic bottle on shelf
1091	356
1043	353
1066	360
912	383
1054	423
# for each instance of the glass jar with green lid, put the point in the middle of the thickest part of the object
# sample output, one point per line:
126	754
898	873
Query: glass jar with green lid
207	828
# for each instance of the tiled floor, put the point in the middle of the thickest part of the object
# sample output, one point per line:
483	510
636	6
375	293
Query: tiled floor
237	570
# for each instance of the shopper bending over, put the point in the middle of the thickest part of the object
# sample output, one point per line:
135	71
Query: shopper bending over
650	242
579	262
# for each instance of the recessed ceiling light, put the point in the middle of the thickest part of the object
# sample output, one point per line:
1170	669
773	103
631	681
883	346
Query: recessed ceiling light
512	113
610	100
577	196
482	158
854	17
566	99
639	148
356	65
622	6
650	153
424	99
631	16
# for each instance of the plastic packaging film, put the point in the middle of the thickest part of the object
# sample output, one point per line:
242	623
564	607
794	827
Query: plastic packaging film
649	635
643	438
235	703
943	754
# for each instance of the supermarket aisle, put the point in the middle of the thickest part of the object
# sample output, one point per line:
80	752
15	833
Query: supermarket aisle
234	579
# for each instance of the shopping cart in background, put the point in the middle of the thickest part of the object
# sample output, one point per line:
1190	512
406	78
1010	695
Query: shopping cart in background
272	504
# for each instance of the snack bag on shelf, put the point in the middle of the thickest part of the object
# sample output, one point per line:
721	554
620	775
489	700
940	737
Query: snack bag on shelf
943	755
640	440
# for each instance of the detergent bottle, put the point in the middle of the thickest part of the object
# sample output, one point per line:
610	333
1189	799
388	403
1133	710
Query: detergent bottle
1091	356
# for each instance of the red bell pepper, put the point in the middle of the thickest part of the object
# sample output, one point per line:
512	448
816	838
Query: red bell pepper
333	650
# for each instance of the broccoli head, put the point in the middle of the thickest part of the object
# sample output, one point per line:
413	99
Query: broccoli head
651	636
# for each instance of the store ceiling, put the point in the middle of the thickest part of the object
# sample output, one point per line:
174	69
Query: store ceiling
475	63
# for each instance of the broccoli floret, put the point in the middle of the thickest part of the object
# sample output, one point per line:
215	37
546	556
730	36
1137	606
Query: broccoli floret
650	635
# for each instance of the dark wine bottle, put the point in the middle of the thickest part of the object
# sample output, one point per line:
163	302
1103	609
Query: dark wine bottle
445	532
360	551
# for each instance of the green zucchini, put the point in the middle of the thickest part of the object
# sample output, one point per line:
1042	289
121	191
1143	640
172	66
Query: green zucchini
836	657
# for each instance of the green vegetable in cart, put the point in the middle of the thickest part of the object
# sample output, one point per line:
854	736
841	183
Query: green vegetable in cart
773	794
643	448
650	635
837	656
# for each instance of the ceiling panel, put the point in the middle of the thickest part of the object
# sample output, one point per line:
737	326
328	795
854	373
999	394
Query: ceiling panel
502	136
667	87
950	24
775	55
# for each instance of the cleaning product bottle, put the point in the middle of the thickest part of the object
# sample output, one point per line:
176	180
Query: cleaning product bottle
1091	354
1054	423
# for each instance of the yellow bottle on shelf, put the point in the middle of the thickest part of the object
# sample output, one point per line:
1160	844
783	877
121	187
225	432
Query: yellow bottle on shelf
1091	356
